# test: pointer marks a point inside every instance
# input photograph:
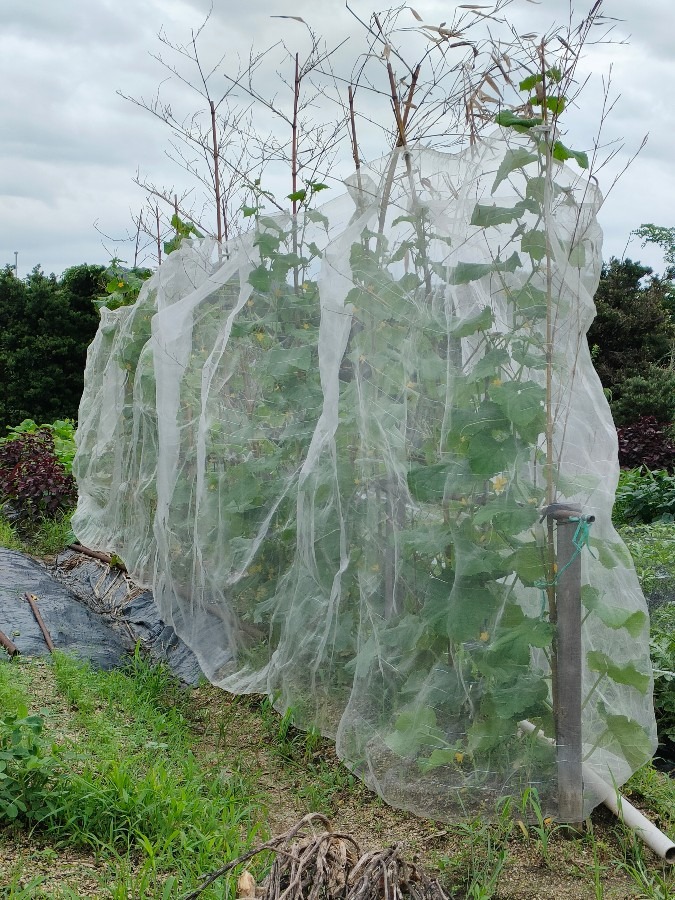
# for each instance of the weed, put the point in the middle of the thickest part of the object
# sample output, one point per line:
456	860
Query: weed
52	536
46	537
484	859
322	784
8	536
20	887
543	827
662	647
658	792
26	766
653	885
598	869
135	793
653	550
644	495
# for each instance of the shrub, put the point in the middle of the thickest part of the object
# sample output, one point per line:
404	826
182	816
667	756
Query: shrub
648	443
644	496
649	393
33	483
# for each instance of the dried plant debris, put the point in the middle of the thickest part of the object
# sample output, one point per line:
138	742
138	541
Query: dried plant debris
313	862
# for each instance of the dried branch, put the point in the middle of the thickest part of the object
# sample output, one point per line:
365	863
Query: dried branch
331	865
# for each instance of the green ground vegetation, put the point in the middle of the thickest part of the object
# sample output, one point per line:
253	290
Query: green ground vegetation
124	784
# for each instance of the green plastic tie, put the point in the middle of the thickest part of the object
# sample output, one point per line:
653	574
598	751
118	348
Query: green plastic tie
581	539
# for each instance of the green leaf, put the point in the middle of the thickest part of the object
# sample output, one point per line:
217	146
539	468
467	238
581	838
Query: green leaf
249	211
534	244
399	219
427	484
489	366
626	738
508	119
282	362
413	730
489	734
627	674
563	153
409	282
520	698
489	456
400	252
506	515
297	195
555	74
267	242
530	300
472	603
536	189
317	186
612	616
611	554
529	564
487	216
269	223
464	327
514	159
260	279
557	105
318	218
522	402
528	83
463	272
439	757
577	256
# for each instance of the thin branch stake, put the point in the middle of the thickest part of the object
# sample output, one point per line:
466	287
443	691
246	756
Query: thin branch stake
216	172
38	618
8	644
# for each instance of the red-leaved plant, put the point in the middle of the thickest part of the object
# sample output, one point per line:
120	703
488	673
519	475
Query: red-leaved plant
33	483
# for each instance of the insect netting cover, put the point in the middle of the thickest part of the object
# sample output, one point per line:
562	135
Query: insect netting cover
329	447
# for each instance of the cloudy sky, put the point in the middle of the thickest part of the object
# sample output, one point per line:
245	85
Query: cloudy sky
70	145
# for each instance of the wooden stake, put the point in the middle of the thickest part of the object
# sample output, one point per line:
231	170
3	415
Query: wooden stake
97	554
9	646
569	664
38	618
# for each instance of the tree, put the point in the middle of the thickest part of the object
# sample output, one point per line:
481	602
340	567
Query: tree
632	328
46	326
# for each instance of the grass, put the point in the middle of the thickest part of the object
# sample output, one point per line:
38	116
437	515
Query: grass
48	537
153	785
124	781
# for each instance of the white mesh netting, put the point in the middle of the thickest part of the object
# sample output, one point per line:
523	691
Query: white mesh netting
324	447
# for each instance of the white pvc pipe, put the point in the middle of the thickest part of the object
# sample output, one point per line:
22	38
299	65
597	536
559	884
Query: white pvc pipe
652	836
